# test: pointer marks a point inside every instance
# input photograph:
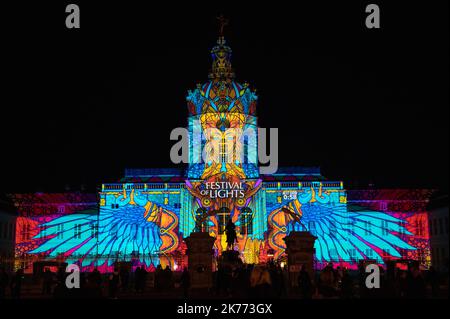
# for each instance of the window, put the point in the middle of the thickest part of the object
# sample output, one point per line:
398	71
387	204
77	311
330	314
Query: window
25	232
352	253
419	229
435	227
403	253
94	230
352	227
430	226
28	232
385	227
10	235
369	253
402	228
60	230
420	254
42	231
223	217
246	221
77	231
368	228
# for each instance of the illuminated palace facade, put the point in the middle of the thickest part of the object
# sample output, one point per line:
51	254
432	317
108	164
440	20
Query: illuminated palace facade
144	218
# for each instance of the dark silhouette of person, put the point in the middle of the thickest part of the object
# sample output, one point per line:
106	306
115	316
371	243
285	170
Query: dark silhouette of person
140	277
16	284
433	279
277	279
346	285
113	284
124	278
92	287
305	284
238	282
47	282
261	282
230	231
137	279
416	287
402	283
168	282
143	281
226	279
327	281
219	280
4	281
97	277
158	278
61	275
185	282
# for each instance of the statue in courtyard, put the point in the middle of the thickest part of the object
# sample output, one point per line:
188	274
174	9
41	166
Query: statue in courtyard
230	231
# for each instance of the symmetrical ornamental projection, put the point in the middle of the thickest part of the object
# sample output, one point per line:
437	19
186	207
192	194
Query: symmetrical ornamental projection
145	217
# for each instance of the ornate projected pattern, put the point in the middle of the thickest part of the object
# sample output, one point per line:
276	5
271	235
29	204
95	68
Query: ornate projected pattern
215	213
128	227
346	233
220	111
144	218
408	205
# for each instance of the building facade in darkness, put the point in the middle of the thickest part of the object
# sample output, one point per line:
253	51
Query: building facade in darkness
438	226
8	216
144	217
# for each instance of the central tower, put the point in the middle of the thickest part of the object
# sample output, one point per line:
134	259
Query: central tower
222	177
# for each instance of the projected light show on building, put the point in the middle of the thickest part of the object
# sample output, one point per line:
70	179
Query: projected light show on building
145	216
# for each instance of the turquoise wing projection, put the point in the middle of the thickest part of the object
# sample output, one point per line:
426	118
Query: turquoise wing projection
351	235
118	228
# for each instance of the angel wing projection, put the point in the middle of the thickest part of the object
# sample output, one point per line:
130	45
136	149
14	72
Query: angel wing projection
344	233
364	234
129	225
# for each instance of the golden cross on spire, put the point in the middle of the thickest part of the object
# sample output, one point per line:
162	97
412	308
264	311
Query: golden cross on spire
222	21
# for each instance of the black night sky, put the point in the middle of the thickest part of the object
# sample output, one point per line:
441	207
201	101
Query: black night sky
368	106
